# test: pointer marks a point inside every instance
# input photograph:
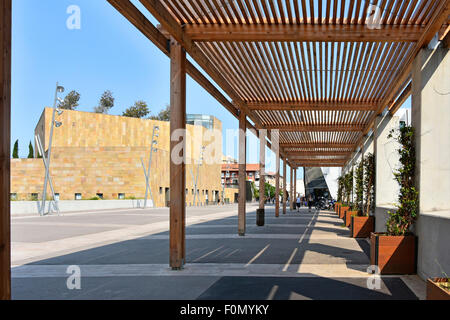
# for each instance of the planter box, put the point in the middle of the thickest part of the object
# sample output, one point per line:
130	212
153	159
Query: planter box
362	227
435	292
393	254
342	211
348	217
336	207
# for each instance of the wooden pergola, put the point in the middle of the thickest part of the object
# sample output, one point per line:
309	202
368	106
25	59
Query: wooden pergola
312	75
319	71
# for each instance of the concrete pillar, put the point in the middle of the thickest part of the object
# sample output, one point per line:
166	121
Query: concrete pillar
242	172
386	161
5	152
431	119
177	160
262	170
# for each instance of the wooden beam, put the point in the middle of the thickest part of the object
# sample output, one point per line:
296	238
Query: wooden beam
401	99
320	164
262	168
132	14
292	155
438	18
301	32
5	152
315	128
316	145
160	13
177	166
312	106
242	174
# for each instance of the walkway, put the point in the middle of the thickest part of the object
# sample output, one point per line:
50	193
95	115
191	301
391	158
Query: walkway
296	256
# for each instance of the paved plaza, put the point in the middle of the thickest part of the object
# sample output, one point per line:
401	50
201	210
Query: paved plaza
124	254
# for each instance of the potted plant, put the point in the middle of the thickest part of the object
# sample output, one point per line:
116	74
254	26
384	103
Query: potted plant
438	288
339	194
348	187
394	252
363	223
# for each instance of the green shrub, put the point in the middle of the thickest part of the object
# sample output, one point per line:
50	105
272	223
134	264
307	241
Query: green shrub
400	221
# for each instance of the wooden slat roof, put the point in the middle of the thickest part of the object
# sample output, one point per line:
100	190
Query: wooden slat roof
312	69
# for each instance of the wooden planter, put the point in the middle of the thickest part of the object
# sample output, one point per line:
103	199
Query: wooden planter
393	254
362	227
336	207
435	292
342	211
348	217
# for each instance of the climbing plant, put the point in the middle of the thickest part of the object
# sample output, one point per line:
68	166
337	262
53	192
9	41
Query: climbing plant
400	221
359	179
348	186
340	188
369	183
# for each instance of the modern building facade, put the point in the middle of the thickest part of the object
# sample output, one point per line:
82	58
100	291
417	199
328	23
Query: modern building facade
98	155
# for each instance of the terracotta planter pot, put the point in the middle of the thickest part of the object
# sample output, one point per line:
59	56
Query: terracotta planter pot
435	291
342	211
393	254
336	207
348	217
362	227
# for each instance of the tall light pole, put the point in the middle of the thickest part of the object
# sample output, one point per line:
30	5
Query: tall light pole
155	135
198	171
59	89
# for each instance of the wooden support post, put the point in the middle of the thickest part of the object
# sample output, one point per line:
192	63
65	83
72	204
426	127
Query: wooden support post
242	172
177	155
277	183
291	191
5	152
262	169
295	187
284	186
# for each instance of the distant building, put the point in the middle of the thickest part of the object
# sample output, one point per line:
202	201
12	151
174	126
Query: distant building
99	155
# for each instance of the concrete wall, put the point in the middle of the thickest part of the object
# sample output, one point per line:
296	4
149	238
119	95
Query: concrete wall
386	162
431	119
32	207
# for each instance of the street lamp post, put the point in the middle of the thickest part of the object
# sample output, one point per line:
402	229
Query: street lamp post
198	172
155	135
59	89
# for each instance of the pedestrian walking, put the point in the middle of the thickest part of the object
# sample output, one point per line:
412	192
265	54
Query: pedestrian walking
299	201
310	200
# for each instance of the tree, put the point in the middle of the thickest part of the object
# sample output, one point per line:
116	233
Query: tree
30	151
70	101
16	150
359	178
106	103
163	115
138	110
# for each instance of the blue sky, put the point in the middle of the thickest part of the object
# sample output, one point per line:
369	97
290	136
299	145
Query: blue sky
107	53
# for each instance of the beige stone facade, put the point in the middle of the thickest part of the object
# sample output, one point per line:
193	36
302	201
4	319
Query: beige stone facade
97	154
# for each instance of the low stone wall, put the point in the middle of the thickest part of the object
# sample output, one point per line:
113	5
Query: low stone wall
32	207
432	230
